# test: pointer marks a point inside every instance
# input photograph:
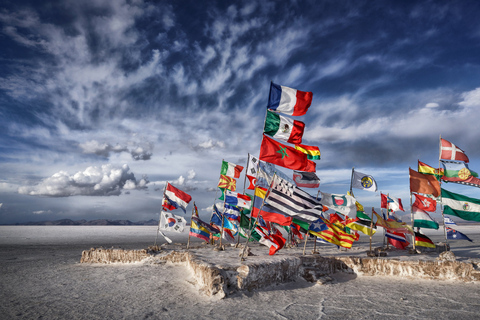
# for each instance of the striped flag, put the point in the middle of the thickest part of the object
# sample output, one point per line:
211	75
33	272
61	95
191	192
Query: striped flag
285	197
421	219
461	206
398	240
449	222
422	240
227	182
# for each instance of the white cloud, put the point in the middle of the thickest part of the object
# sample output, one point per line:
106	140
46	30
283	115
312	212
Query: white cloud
432	105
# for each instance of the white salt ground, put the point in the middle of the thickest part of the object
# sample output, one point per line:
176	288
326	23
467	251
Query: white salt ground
41	278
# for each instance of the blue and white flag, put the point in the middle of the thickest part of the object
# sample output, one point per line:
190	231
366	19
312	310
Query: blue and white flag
456	235
449	222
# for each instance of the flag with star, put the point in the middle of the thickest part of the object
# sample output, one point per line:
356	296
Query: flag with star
282	155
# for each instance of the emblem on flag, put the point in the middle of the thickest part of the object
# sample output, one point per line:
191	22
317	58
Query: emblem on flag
366	182
340	201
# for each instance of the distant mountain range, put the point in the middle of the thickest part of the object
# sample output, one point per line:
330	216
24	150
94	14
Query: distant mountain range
99	222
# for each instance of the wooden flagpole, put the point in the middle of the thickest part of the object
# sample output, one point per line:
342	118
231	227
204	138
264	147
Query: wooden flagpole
244	182
411	217
371	228
160	216
193	209
440	182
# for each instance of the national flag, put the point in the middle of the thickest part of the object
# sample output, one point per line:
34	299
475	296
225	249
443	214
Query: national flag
171	222
284	156
425	203
230	169
449	151
285	197
238	199
426	169
449	222
461	206
227	182
216	219
342	203
312	152
268	213
362	225
176	198
422	240
195	210
283	128
306	179
318	226
199	231
391	225
421	219
456	235
424	183
289	101
398	240
334	234
251	172
363	181
390	203
231	212
266	171
458	172
274	242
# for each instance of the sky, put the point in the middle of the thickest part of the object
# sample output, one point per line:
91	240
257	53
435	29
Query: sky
102	102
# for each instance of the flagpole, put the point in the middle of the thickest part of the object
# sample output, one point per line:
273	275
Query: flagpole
242	257
315	243
388	216
440	182
244	182
159	217
413	222
188	242
351	179
371	229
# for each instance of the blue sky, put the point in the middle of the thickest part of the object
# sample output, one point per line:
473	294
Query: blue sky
101	102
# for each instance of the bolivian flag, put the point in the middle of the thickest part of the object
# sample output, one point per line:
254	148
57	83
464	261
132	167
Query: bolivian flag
313	153
426	169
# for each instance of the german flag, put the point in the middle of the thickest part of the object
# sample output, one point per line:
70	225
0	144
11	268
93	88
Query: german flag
422	240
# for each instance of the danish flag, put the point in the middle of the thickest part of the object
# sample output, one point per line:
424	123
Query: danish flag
449	151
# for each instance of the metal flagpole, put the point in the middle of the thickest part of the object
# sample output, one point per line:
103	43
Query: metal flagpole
440	182
351	181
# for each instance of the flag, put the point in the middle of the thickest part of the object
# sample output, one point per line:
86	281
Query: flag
458	172
284	156
199	231
391	225
363	181
391	203
426	169
449	222
306	179
176	198
238	199
425	203
227	182
216	219
421	219
171	222
231	212
289	101
461	206
274	242
342	203
268	213
362	225
230	169
313	153
285	197
318	226
251	172
266	171
456	235
398	240
334	234
449	151
195	210
424	183
422	240
283	128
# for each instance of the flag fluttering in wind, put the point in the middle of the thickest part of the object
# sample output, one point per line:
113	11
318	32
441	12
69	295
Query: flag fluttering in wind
363	181
273	241
268	213
227	182
396	239
421	219
456	235
391	225
284	156
283	128
449	222
425	203
252	169
342	203
201	230
424	183
288	101
172	222
362	225
312	152
426	169
422	240
449	151
334	234
238	199
306	179
461	206
230	169
458	172
390	203
175	198
285	197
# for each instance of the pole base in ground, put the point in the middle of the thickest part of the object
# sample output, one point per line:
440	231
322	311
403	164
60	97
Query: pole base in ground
219	248
413	251
315	252
371	254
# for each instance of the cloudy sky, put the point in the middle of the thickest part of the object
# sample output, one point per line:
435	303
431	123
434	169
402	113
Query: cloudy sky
103	101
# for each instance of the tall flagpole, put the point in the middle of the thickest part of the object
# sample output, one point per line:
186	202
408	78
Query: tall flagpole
160	216
371	229
411	217
440	182
244	182
193	209
351	181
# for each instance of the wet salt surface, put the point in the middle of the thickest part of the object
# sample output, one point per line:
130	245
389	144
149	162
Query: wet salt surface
41	277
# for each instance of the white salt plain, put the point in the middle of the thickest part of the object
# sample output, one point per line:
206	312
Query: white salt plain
41	277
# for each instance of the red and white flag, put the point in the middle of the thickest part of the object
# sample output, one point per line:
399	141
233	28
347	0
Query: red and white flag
425	203
449	151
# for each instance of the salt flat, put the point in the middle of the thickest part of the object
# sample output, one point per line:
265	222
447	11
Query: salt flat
41	277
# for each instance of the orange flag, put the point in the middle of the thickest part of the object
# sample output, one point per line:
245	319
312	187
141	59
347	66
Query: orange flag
424	183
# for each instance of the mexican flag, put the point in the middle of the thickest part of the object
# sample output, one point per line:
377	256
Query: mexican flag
283	128
461	206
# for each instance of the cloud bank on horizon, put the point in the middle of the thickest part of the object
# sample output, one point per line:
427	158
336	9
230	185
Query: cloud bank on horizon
96	94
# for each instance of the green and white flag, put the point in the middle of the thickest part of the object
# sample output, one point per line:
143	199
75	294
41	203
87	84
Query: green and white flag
283	128
422	219
461	206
